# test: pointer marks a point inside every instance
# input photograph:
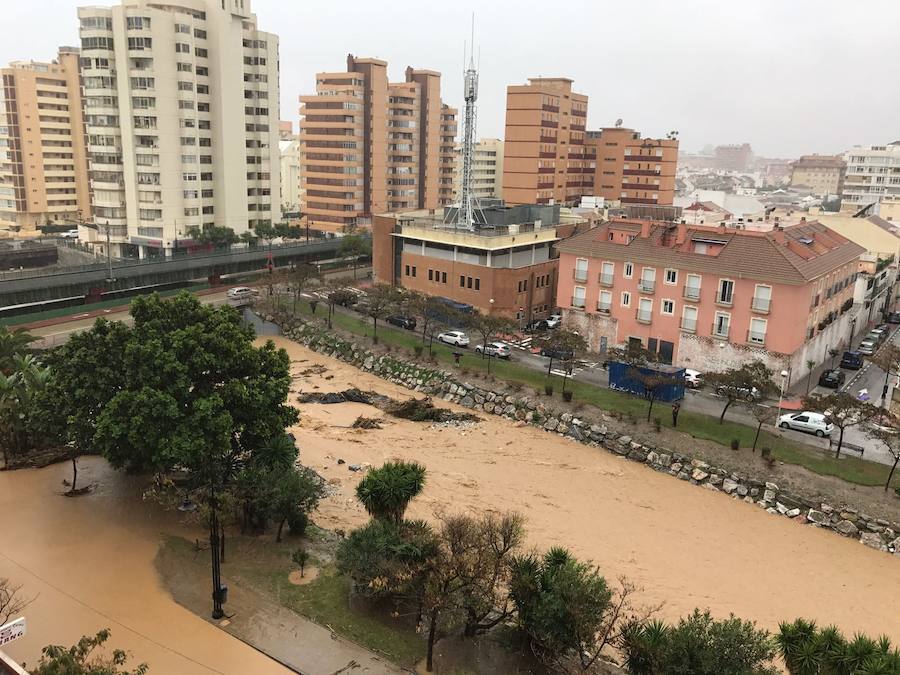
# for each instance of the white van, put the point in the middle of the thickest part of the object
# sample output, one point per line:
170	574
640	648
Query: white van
810	422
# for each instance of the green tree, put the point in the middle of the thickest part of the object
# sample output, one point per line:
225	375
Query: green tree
385	492
299	278
19	389
81	660
300	557
888	432
843	410
810	365
13	343
642	368
380	301
489	327
697	645
217	236
296	491
762	414
563	345
353	247
337	293
738	384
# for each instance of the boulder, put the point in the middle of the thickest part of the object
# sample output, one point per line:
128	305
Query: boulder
816	517
872	540
715	479
652	457
769	496
699	464
551	424
742	491
792	513
665	459
729	486
847	528
699	475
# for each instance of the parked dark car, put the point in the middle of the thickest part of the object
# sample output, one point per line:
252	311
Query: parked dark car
833	379
557	354
407	322
536	325
893	317
852	360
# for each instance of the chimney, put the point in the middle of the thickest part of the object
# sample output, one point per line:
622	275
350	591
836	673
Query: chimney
680	233
645	229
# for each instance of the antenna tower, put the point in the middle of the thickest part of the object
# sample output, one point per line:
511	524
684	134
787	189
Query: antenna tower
465	215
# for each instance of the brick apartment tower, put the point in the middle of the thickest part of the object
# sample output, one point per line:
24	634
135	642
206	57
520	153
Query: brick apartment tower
631	169
370	146
544	154
43	163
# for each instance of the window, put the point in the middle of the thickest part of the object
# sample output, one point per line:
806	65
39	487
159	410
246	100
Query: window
443	277
468	282
629	270
645	310
757	334
689	319
413	269
604	304
725	295
137	22
762	298
578	295
200	52
581	269
668	307
647	283
185	67
477	284
626	299
182	28
185	86
607	272
185	105
430	275
721	325
462	281
692	287
182	48
671	277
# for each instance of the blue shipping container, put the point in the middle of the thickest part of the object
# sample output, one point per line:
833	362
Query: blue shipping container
621	378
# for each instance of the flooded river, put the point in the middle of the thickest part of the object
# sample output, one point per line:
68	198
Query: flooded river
89	561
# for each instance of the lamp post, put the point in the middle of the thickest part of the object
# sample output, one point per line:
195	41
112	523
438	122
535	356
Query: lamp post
784	375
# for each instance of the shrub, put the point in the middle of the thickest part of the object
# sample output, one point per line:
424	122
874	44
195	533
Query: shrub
567	396
298	521
766	453
417	350
806	648
735	444
548	389
385	492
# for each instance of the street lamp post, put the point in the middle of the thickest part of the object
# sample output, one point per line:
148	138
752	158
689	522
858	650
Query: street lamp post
784	375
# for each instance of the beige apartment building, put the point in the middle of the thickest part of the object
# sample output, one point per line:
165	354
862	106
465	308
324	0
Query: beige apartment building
631	169
545	159
369	146
43	165
181	104
873	175
487	169
824	174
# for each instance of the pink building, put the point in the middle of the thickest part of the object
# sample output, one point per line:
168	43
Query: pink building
708	297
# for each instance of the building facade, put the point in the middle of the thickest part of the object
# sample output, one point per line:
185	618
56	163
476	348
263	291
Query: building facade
43	160
824	174
290	174
735	157
181	106
506	266
711	298
487	169
631	169
369	146
545	158
873	173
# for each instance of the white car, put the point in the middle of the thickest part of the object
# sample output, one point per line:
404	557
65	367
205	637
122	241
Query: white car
454	337
498	349
810	422
693	378
747	393
554	320
867	348
69	234
241	293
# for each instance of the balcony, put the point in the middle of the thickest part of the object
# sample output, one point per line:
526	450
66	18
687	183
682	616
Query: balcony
689	325
547	155
720	331
546	169
604	307
578	303
637	200
725	300
550	108
642	158
640	172
691	292
760	305
545	186
640	186
549	123
643	316
755	338
605	279
580	275
548	139
646	286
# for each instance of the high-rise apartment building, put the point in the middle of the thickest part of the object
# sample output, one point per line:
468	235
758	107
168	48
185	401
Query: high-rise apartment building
631	169
733	157
545	158
873	173
369	146
181	106
289	146
43	165
824	174
487	169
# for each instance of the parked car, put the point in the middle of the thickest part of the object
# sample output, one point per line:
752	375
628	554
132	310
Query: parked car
747	393
537	325
833	379
499	349
554	320
454	337
69	234
876	335
693	378
241	293
893	317
810	422
852	360
556	354
407	322
867	347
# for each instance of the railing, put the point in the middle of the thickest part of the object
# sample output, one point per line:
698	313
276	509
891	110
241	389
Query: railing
548	139
640	186
756	338
580	275
550	108
546	169
545	186
721	331
638	200
578	303
760	305
691	292
643	317
689	325
605	279
725	301
549	123
604	307
640	172
646	286
643	158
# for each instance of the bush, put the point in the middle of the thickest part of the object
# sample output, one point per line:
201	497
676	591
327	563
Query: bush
417	350
806	648
385	492
567	396
548	389
657	424
735	444
298	521
766	453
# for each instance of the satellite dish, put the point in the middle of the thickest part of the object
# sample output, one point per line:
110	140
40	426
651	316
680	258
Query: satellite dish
618	122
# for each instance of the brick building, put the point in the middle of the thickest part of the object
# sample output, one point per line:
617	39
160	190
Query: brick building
631	169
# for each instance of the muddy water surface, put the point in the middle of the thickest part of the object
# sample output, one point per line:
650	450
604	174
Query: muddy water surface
89	560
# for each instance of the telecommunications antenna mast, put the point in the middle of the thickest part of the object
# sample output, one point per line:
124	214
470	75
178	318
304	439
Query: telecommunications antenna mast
465	215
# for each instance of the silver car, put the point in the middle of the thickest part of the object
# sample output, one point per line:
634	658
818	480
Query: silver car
454	337
810	422
499	349
867	348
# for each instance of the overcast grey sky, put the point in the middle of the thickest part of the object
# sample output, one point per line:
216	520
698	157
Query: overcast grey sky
788	76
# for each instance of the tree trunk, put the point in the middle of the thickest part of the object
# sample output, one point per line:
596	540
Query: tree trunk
222	542
650	408
74	471
891	474
550	366
808	380
756	438
280	528
724	410
432	629
374	329
837	453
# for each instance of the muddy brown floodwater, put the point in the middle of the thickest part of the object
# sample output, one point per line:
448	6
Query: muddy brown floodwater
89	560
684	546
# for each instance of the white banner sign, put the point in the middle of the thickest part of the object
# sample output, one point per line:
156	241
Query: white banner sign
12	631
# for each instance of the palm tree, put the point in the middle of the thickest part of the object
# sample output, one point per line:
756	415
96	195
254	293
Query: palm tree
387	491
13	343
18	388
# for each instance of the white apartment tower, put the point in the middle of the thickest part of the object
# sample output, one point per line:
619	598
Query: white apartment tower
873	174
487	169
181	108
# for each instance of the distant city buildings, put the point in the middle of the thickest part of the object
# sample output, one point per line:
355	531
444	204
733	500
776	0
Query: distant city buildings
823	174
289	146
733	157
370	146
873	174
710	297
43	156
631	169
545	159
487	169
181	106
